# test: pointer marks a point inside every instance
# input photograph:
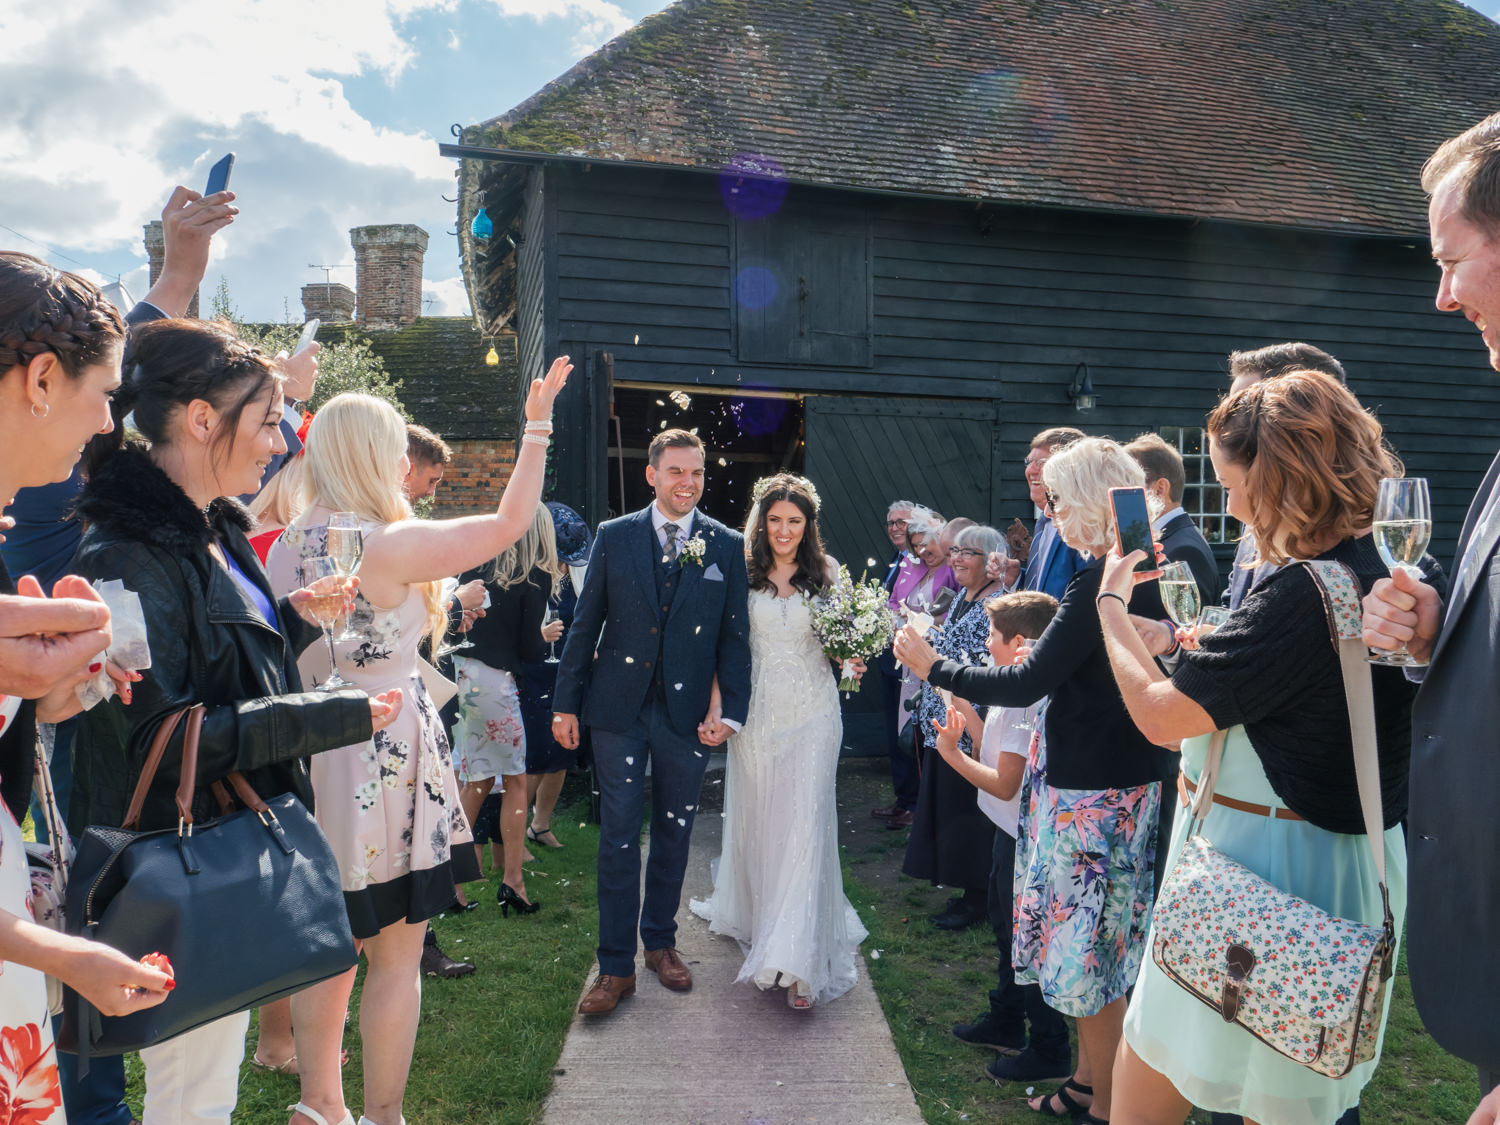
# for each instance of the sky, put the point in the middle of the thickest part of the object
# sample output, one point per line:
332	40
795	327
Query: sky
334	109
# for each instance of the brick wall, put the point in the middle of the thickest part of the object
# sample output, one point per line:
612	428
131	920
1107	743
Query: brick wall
388	274
474	478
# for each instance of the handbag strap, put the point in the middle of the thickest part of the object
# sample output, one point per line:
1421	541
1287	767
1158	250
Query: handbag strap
193	718
57	833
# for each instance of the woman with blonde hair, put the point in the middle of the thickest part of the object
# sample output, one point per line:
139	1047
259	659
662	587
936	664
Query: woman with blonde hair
1092	792
390	806
490	737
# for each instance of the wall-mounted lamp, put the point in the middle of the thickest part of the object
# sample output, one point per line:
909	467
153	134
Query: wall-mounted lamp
1081	390
492	357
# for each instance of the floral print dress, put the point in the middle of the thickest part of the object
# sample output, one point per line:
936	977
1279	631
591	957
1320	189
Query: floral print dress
1085	860
29	1089
389	807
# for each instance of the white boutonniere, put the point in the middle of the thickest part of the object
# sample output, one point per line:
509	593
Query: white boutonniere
694	549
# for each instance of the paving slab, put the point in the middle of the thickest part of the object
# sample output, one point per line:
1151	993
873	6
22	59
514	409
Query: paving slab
726	1053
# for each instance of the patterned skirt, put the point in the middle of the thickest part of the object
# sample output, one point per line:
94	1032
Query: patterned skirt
489	738
1083	888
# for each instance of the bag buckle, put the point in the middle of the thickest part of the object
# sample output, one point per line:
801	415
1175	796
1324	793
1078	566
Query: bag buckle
1238	961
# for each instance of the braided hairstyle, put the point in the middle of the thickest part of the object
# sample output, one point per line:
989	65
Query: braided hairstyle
44	310
177	362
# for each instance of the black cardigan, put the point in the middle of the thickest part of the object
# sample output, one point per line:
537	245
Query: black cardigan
1092	743
510	632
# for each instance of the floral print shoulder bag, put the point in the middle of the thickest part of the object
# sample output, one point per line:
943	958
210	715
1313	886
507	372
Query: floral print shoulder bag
1308	984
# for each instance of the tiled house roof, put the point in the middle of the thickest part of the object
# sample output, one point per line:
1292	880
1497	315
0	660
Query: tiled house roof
1303	113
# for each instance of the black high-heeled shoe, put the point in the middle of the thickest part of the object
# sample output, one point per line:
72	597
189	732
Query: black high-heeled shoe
508	896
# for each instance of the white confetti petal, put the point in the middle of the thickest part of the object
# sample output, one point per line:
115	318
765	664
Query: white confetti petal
870	562
688	807
723	462
677	686
874	955
630	761
697	753
697	629
682	822
637	338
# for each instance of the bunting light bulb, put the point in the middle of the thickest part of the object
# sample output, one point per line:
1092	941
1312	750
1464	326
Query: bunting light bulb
492	357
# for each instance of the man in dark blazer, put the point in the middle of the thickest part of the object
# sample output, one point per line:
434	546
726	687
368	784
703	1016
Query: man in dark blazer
1453	834
1050	563
661	620
1174	529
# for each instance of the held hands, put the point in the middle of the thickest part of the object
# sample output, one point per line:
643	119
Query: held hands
913	651
712	731
384	708
1402	609
543	391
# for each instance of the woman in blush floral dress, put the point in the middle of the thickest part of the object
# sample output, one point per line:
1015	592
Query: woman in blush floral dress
390	807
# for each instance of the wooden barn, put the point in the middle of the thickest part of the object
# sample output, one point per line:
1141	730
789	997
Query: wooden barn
884	242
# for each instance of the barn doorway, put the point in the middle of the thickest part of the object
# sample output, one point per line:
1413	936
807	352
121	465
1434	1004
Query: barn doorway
747	434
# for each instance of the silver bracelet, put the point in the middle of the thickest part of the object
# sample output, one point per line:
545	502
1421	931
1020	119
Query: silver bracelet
536	439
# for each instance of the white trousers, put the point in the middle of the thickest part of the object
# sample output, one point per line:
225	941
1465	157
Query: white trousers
194	1079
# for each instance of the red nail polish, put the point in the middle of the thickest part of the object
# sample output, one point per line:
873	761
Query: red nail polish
94	668
171	984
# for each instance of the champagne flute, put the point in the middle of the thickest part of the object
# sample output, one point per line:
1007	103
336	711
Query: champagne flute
1179	593
1403	525
547	619
321	575
346	547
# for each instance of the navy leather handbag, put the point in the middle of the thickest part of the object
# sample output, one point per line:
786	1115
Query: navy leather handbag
247	906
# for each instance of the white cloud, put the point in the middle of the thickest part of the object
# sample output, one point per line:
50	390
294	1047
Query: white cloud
445	298
598	20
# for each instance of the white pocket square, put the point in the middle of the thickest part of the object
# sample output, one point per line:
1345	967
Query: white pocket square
713	573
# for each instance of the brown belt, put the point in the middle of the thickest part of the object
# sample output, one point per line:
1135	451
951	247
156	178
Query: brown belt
1186	789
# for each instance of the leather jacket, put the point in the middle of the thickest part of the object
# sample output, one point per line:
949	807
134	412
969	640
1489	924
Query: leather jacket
209	644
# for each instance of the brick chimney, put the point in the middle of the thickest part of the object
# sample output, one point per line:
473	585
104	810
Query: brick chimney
388	274
329	302
156	251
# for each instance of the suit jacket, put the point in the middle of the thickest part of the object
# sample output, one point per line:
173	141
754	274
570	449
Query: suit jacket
1453	834
1056	570
1182	542
608	660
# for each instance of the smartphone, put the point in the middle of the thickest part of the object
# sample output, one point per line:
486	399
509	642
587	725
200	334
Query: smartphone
218	175
1133	526
309	333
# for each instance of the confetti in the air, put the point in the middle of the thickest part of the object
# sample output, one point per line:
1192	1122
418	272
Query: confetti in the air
681	398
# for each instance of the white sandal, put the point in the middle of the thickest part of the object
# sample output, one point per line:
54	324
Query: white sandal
799	996
366	1121
317	1118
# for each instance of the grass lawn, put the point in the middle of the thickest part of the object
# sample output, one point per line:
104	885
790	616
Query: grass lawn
488	1042
928	980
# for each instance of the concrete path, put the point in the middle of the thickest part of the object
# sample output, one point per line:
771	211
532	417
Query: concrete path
726	1053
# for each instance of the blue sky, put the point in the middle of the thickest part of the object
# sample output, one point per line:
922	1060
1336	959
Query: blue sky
335	109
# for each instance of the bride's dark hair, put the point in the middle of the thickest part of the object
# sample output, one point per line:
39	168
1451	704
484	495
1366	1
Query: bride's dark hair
811	573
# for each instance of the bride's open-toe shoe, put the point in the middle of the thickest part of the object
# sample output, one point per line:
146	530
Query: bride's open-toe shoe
317	1118
798	996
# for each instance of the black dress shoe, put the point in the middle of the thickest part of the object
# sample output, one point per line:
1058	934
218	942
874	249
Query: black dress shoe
436	963
987	1031
960	915
461	908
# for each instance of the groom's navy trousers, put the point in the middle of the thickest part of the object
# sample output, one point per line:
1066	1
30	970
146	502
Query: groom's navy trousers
677	765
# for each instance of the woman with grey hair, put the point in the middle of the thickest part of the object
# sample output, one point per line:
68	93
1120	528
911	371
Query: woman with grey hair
1092	793
951	838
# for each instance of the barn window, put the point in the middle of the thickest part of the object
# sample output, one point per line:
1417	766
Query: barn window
1202	498
802	287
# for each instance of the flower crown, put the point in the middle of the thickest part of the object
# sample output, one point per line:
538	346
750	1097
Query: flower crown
765	484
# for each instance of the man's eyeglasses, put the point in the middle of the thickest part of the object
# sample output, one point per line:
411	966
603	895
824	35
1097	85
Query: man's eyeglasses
1051	501
965	552
896	523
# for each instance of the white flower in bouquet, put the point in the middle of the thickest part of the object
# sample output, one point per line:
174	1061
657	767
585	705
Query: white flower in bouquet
853	622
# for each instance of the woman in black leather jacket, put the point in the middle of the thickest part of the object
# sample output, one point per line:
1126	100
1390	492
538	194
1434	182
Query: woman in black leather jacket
162	520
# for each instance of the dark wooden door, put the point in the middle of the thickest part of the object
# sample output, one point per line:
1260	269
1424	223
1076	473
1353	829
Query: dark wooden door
862	453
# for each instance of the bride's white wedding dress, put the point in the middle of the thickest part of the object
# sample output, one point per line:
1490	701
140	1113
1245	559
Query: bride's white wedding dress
778	888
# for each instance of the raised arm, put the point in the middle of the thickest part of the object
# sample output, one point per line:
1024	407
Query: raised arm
428	550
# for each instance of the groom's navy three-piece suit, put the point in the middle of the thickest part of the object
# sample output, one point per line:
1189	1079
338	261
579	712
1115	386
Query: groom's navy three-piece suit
650	634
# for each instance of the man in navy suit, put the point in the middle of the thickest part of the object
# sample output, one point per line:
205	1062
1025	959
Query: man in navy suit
1174	529
1050	563
657	663
1453	910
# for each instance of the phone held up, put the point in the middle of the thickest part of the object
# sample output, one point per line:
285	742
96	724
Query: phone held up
309	333
218	175
1133	526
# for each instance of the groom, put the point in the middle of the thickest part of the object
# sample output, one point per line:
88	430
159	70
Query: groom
661	615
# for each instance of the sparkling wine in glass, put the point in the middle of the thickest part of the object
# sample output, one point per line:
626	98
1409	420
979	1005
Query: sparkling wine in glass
1179	593
547	619
321	575
346	547
1403	525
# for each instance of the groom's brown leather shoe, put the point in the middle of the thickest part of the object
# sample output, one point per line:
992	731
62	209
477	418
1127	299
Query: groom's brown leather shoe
669	969
606	993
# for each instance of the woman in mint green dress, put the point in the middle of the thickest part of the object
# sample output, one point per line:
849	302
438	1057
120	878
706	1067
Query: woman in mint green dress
1271	678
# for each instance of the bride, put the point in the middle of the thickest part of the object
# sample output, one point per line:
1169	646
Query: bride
778	889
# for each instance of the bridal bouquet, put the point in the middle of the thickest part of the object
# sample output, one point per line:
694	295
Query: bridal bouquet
853	622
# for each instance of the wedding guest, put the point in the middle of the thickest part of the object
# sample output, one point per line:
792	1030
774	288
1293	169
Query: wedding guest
1300	461
430	457
905	572
164	520
490	737
951	837
389	805
1050	564
1174	529
547	760
279	501
1016	621
1454	777
1093	785
60	349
